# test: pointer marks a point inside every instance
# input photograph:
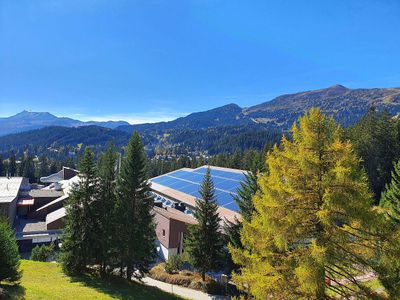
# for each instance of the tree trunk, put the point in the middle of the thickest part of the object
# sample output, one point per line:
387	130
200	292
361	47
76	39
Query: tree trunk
129	273
121	274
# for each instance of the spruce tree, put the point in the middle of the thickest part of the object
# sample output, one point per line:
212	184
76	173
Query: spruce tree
9	256
133	217
313	221
375	139
388	267
390	199
2	168
53	167
244	199
104	205
204	241
44	168
28	168
12	166
79	236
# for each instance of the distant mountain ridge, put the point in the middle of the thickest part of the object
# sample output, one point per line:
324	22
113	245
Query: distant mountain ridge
227	115
346	105
222	129
26	121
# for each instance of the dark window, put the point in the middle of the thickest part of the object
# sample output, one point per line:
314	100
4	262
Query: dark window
163	232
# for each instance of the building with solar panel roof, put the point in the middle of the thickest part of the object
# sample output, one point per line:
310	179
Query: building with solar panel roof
178	190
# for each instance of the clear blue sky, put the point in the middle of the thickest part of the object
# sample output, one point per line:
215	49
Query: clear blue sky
155	60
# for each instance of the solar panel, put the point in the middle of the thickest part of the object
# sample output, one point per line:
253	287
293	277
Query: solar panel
221	174
189	181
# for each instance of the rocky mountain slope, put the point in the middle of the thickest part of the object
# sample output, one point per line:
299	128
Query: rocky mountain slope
345	105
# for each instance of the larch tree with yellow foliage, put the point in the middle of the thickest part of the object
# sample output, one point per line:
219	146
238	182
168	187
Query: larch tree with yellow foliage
314	229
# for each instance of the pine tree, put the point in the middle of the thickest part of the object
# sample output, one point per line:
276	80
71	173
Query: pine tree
53	167
204	241
244	199
134	218
28	168
105	205
44	169
12	166
390	199
375	139
389	264
9	256
79	237
314	221
2	168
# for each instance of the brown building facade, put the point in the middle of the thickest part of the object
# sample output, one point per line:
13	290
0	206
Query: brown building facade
171	227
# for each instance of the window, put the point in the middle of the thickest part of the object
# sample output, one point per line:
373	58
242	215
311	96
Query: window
163	232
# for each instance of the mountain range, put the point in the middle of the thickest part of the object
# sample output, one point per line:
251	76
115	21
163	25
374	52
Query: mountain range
216	130
26	120
344	104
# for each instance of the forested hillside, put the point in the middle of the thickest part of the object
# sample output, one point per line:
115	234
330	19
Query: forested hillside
62	141
346	105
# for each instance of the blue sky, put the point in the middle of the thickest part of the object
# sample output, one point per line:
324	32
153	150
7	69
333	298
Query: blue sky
156	60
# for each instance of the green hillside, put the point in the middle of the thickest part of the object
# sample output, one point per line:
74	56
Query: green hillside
47	281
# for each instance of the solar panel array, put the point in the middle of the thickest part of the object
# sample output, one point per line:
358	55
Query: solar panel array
188	181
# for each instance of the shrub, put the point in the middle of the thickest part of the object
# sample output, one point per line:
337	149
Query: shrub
174	264
213	287
3	294
187	279
9	256
42	253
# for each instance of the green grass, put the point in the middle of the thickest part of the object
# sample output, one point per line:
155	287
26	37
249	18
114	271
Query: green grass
47	281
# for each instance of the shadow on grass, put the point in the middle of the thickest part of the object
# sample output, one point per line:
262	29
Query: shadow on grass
121	289
13	291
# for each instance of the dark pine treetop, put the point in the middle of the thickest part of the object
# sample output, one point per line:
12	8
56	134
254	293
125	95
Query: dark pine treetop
79	238
204	241
136	229
390	199
9	256
104	206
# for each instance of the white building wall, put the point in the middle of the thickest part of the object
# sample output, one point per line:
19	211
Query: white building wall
164	252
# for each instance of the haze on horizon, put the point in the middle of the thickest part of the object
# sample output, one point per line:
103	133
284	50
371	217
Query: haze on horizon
147	61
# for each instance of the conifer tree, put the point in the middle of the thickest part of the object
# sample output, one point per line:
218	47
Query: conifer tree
12	166
104	206
2	168
388	267
134	218
375	139
244	199
9	256
79	236
313	221
44	169
28	168
53	167
390	199
204	241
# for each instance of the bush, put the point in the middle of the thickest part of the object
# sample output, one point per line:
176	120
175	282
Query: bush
42	253
188	279
9	256
3	294
174	264
213	287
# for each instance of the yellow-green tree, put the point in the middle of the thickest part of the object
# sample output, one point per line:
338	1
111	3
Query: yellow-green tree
313	230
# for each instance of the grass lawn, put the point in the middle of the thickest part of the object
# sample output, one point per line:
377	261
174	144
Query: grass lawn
47	281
